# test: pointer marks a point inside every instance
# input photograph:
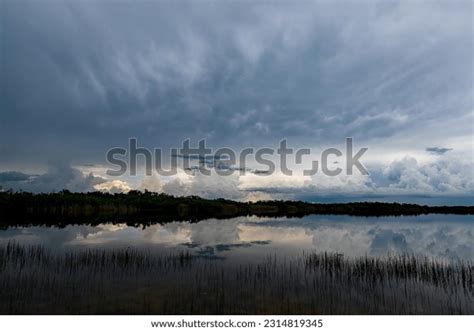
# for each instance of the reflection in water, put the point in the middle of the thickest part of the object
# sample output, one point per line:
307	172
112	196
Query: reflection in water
251	237
244	265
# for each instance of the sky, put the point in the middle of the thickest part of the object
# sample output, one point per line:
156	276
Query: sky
78	78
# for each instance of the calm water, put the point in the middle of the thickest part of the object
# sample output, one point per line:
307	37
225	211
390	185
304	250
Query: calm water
244	265
251	238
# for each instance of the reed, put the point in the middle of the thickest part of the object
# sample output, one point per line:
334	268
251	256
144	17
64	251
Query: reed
36	280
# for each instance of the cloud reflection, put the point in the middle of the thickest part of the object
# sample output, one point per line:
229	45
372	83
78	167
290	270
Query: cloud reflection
431	235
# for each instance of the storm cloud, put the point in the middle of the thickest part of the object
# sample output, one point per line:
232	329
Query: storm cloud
58	177
78	78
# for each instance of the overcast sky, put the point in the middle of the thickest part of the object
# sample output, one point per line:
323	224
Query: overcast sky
78	78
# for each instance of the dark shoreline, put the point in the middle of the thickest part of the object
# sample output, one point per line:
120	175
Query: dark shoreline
17	208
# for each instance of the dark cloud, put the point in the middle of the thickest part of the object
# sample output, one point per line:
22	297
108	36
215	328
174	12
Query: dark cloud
261	172
13	176
81	77
57	178
438	150
78	78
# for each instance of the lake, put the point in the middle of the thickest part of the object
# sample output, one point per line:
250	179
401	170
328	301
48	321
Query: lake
434	235
243	265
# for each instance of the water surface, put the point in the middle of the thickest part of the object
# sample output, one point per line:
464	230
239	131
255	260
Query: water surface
251	238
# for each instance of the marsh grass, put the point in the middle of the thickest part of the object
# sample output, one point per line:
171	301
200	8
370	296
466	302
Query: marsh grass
35	280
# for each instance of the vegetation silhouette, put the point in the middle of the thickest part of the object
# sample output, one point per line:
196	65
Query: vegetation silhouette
62	208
